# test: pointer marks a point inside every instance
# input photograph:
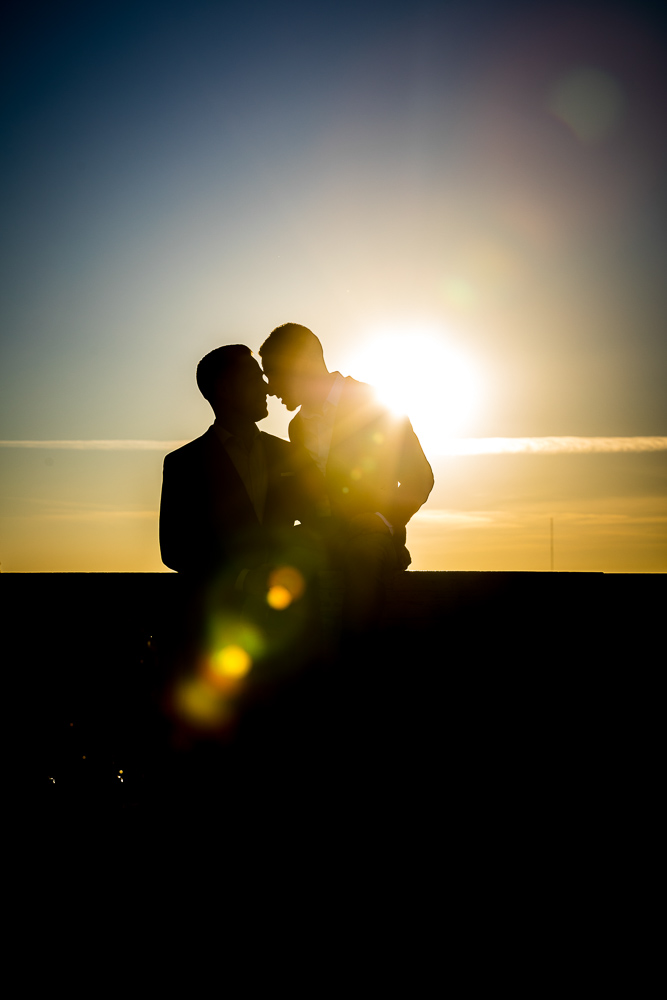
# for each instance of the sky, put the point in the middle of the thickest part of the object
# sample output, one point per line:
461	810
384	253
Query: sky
471	196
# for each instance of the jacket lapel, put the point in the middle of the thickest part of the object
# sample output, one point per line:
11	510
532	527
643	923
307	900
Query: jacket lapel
232	500
275	487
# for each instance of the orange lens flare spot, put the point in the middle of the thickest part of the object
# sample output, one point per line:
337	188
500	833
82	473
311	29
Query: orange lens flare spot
199	703
230	662
278	598
290	579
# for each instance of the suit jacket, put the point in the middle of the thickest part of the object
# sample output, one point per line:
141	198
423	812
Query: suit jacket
375	462
207	521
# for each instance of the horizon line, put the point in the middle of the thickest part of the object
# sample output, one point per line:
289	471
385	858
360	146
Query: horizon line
451	447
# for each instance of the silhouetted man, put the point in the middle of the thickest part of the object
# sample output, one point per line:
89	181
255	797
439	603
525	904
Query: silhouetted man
376	473
230	498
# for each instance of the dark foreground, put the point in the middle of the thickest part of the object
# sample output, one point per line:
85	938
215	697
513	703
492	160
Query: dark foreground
501	687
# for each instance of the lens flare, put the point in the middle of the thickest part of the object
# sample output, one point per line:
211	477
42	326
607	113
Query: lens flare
286	584
459	291
225	632
591	103
200	704
231	661
278	598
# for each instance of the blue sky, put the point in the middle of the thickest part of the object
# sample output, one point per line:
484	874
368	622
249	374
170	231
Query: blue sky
178	175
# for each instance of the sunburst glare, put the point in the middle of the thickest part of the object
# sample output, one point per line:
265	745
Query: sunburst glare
417	374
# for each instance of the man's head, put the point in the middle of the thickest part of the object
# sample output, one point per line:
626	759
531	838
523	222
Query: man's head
232	381
293	362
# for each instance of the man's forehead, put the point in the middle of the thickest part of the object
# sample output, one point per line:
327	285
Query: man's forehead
271	364
280	363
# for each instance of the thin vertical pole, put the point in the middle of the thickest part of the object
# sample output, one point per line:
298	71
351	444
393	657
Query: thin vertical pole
552	544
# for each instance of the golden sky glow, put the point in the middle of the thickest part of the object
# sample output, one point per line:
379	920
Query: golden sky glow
464	202
85	506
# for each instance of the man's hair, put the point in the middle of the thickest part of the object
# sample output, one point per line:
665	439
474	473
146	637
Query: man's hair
221	361
290	341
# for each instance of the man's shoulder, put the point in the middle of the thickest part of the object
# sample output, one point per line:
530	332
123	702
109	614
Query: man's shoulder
193	451
273	442
277	450
359	402
354	391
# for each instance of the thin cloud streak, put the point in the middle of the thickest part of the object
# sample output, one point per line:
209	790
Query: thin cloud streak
550	445
455	446
68	510
100	516
100	445
439	519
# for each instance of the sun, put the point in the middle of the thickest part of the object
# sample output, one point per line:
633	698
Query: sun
420	375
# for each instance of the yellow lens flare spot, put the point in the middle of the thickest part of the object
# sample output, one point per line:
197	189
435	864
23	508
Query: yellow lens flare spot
231	662
459	292
224	632
200	704
286	584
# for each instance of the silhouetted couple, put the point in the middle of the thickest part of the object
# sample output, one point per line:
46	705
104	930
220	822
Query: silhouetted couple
352	474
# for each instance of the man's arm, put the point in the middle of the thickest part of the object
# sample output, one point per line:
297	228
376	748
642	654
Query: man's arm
182	546
415	477
412	483
172	516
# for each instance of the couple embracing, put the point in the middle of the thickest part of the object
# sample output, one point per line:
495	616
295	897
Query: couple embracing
352	474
